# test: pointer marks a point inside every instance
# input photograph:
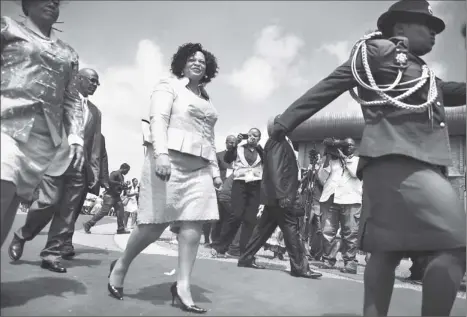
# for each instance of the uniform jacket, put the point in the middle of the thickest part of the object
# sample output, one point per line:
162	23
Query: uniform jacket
280	172
38	76
182	121
388	130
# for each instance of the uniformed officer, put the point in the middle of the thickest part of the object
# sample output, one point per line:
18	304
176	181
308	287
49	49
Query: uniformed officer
408	203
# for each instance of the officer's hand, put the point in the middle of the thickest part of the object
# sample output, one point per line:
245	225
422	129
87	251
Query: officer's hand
163	169
278	132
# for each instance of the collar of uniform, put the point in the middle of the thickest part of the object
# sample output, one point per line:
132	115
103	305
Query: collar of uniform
33	27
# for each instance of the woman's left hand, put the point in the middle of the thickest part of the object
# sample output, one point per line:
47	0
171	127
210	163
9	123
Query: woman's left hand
217	182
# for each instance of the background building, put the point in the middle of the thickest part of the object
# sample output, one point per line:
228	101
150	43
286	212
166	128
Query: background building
327	124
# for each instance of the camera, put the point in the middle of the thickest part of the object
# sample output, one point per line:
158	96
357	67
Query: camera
244	136
332	145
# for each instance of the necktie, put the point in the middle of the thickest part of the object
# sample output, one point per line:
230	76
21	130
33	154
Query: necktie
85	111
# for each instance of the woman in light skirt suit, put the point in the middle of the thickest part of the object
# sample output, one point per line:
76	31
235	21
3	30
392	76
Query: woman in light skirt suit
180	171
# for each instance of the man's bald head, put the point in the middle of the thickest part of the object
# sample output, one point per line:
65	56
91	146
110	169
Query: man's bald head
88	81
87	72
230	142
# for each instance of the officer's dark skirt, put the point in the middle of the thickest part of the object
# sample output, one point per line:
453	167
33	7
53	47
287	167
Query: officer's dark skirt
409	205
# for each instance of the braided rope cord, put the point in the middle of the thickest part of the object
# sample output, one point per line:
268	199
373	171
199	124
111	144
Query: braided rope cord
396	101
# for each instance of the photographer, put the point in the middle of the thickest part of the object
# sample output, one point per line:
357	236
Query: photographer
311	190
112	199
340	202
247	167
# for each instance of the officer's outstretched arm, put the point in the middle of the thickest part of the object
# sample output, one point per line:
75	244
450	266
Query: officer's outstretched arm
453	93
326	91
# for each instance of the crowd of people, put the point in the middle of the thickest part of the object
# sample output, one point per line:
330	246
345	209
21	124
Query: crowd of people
393	200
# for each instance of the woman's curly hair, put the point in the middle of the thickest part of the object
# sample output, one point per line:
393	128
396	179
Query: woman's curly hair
187	50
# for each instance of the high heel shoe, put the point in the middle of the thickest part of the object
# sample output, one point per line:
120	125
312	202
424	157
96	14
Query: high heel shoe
116	292
192	309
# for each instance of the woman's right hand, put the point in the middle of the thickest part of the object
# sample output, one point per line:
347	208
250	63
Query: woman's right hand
163	167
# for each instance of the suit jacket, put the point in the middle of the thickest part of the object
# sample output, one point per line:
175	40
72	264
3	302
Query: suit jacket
388	130
280	173
92	145
38	77
182	121
103	170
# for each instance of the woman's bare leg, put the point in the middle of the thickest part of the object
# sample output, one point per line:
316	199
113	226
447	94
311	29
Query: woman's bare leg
142	236
188	243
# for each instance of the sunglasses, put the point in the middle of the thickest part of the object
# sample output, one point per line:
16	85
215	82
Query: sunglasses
93	81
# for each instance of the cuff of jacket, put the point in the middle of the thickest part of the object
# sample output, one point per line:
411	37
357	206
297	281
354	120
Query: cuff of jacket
215	172
75	139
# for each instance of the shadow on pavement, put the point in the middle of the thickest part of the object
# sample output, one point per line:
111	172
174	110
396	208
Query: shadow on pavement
66	263
18	293
79	251
339	314
159	294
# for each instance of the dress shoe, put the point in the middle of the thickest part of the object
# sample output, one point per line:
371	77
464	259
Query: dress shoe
53	266
123	231
15	250
87	227
192	309
307	274
116	292
251	264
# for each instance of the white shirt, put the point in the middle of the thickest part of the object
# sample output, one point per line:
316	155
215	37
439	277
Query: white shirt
341	182
296	156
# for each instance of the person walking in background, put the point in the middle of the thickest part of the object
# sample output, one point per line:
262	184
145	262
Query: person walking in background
225	169
279	189
131	203
178	180
40	104
247	169
112	198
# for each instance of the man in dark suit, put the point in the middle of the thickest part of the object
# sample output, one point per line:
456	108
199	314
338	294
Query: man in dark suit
61	191
279	187
68	250
409	205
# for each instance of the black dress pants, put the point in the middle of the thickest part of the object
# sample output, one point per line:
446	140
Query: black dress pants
58	201
272	217
245	203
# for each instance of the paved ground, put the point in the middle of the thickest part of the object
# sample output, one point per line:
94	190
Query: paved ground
218	285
